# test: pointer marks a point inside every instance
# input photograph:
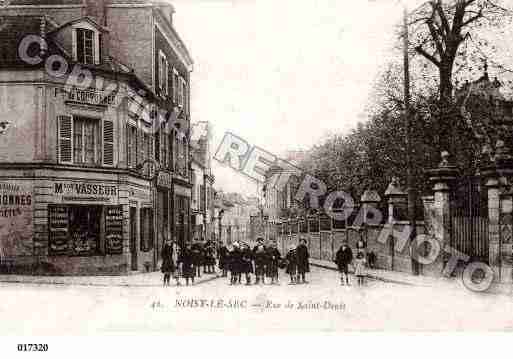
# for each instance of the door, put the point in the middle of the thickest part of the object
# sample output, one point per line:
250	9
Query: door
133	237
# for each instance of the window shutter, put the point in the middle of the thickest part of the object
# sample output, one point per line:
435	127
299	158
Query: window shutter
65	132
108	143
128	147
141	146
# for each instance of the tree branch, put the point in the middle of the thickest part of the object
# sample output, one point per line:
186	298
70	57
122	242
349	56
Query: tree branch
428	56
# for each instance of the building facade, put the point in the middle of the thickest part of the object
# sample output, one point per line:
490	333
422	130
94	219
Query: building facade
93	174
202	183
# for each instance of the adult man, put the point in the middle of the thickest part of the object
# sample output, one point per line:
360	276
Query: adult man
303	264
343	258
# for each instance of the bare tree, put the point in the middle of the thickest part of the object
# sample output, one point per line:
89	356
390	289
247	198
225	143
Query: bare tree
440	28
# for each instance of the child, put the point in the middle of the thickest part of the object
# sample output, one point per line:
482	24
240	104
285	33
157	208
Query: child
343	258
187	262
223	255
247	263
260	256
273	260
168	264
359	269
235	264
291	264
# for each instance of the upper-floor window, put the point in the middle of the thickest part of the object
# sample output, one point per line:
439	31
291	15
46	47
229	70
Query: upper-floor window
163	74
182	93
80	141
176	86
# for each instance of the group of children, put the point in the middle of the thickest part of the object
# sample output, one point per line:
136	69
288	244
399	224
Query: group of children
189	261
344	258
264	262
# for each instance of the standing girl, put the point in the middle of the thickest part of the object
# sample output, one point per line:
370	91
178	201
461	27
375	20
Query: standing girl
359	269
291	260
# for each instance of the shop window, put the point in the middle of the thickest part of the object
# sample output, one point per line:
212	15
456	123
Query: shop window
146	232
75	230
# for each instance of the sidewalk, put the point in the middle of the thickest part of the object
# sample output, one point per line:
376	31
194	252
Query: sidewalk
153	279
414	280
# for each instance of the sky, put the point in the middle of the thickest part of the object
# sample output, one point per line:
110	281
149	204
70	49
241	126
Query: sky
282	74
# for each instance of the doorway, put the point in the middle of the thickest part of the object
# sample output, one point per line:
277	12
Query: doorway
133	238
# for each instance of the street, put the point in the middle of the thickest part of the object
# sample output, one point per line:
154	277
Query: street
215	306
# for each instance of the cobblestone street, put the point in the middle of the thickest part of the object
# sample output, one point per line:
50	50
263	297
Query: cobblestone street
215	306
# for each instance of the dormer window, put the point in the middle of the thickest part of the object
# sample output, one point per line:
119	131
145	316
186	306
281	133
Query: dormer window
86	43
85	46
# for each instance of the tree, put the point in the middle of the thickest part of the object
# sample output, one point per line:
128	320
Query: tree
440	29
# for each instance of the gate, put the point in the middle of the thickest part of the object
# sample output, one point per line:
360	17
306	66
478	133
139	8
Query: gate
469	222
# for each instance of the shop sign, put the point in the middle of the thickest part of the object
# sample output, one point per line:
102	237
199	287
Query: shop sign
114	230
164	179
88	96
85	192
16	218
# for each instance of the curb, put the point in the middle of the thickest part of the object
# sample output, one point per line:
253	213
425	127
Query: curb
370	276
60	283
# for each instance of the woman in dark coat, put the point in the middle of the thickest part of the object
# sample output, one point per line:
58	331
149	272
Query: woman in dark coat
273	261
197	257
247	263
186	259
291	260
168	264
303	265
223	260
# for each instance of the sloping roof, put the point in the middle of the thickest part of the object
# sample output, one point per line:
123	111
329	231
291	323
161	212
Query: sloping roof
12	31
14	28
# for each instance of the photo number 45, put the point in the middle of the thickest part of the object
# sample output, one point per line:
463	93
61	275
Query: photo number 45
32	347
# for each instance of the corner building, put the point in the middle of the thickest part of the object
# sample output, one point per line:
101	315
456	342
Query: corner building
92	180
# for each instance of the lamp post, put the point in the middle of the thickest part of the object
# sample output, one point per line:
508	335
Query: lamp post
412	195
220	217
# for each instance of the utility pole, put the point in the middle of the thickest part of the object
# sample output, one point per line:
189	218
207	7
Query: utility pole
412	197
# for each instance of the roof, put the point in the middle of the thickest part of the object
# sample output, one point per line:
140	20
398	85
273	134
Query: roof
13	29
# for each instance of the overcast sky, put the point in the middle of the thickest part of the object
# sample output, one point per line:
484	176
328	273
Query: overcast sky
282	74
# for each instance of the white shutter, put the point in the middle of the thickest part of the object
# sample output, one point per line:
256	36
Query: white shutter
108	143
65	138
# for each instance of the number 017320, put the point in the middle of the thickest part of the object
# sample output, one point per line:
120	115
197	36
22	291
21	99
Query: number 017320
32	347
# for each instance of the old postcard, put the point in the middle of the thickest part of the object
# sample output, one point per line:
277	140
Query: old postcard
255	166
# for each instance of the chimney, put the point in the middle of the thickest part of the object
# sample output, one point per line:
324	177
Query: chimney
96	10
167	9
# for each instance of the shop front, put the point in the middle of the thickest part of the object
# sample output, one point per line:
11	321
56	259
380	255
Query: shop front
85	225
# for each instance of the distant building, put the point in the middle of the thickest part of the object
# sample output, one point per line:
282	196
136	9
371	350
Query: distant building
202	183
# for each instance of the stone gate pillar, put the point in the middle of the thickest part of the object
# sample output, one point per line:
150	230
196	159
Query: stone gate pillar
497	176
440	218
396	197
